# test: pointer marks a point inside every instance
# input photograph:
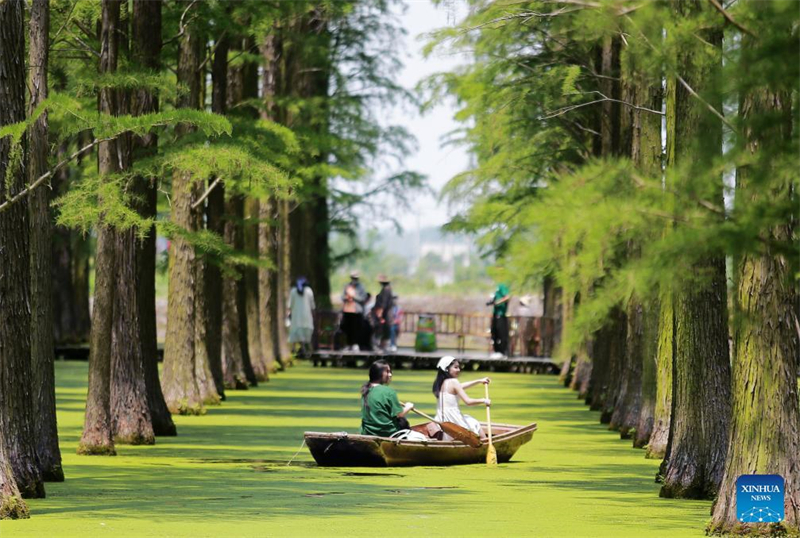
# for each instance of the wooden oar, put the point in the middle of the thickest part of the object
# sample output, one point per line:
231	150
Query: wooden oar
491	453
454	430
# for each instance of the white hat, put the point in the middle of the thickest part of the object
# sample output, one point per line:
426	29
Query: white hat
444	362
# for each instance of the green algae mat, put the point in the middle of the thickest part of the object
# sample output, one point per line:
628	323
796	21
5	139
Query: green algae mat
226	474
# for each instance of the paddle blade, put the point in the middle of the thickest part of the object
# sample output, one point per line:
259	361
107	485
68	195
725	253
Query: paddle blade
461	434
491	456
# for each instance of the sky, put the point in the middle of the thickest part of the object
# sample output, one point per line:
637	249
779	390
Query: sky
438	163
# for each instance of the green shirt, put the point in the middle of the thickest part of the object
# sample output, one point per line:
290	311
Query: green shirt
501	309
380	416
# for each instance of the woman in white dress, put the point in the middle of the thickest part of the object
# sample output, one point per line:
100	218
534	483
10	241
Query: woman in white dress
301	313
448	390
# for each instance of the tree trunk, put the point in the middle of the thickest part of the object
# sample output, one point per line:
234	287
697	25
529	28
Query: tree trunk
626	412
614	332
187	381
130	413
41	244
701	371
646	154
269	239
568	315
644	427
657	445
267	299
17	421
97	438
234	376
146	51
215	223
583	373
765	425
258	359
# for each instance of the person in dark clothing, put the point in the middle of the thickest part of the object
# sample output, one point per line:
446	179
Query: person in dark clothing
384	307
499	321
354	297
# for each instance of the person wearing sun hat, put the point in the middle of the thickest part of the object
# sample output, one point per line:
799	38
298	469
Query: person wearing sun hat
448	390
354	297
384	306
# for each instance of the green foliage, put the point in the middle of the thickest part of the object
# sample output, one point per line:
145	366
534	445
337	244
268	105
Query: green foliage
540	197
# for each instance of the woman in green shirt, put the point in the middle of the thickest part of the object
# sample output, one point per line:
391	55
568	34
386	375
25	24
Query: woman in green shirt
381	412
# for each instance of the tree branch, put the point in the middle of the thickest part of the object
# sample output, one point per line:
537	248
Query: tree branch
728	17
570	108
205	194
706	103
44	177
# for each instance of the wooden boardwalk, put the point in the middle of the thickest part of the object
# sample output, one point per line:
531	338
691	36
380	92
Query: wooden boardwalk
408	358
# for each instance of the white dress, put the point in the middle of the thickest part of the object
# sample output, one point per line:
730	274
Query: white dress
447	410
302	306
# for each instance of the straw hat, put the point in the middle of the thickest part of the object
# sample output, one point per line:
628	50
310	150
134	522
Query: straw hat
354	274
383	279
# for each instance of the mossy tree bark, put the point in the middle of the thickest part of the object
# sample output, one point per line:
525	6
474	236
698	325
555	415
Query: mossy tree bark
187	382
97	438
146	47
646	154
657	444
701	368
41	244
17	421
644	425
765	425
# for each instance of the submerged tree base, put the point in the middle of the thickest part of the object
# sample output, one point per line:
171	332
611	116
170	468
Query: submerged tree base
86	449
13	507
776	530
134	439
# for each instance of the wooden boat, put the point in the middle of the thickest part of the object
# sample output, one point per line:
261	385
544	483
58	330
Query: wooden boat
342	449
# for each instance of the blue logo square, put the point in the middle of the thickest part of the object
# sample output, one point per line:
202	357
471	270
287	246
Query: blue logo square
759	498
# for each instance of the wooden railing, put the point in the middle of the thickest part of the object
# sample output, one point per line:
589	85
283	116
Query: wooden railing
528	336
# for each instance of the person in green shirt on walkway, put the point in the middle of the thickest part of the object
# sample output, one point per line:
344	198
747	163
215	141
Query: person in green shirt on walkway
499	321
381	412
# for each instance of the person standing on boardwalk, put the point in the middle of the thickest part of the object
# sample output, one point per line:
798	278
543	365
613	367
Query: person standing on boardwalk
397	319
354	298
381	412
499	321
384	306
301	313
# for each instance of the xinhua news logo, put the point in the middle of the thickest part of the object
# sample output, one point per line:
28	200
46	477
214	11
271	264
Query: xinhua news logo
759	498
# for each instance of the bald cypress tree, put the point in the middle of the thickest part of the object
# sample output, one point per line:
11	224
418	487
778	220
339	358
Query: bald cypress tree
701	369
98	426
42	356
17	421
146	44
765	420
187	382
